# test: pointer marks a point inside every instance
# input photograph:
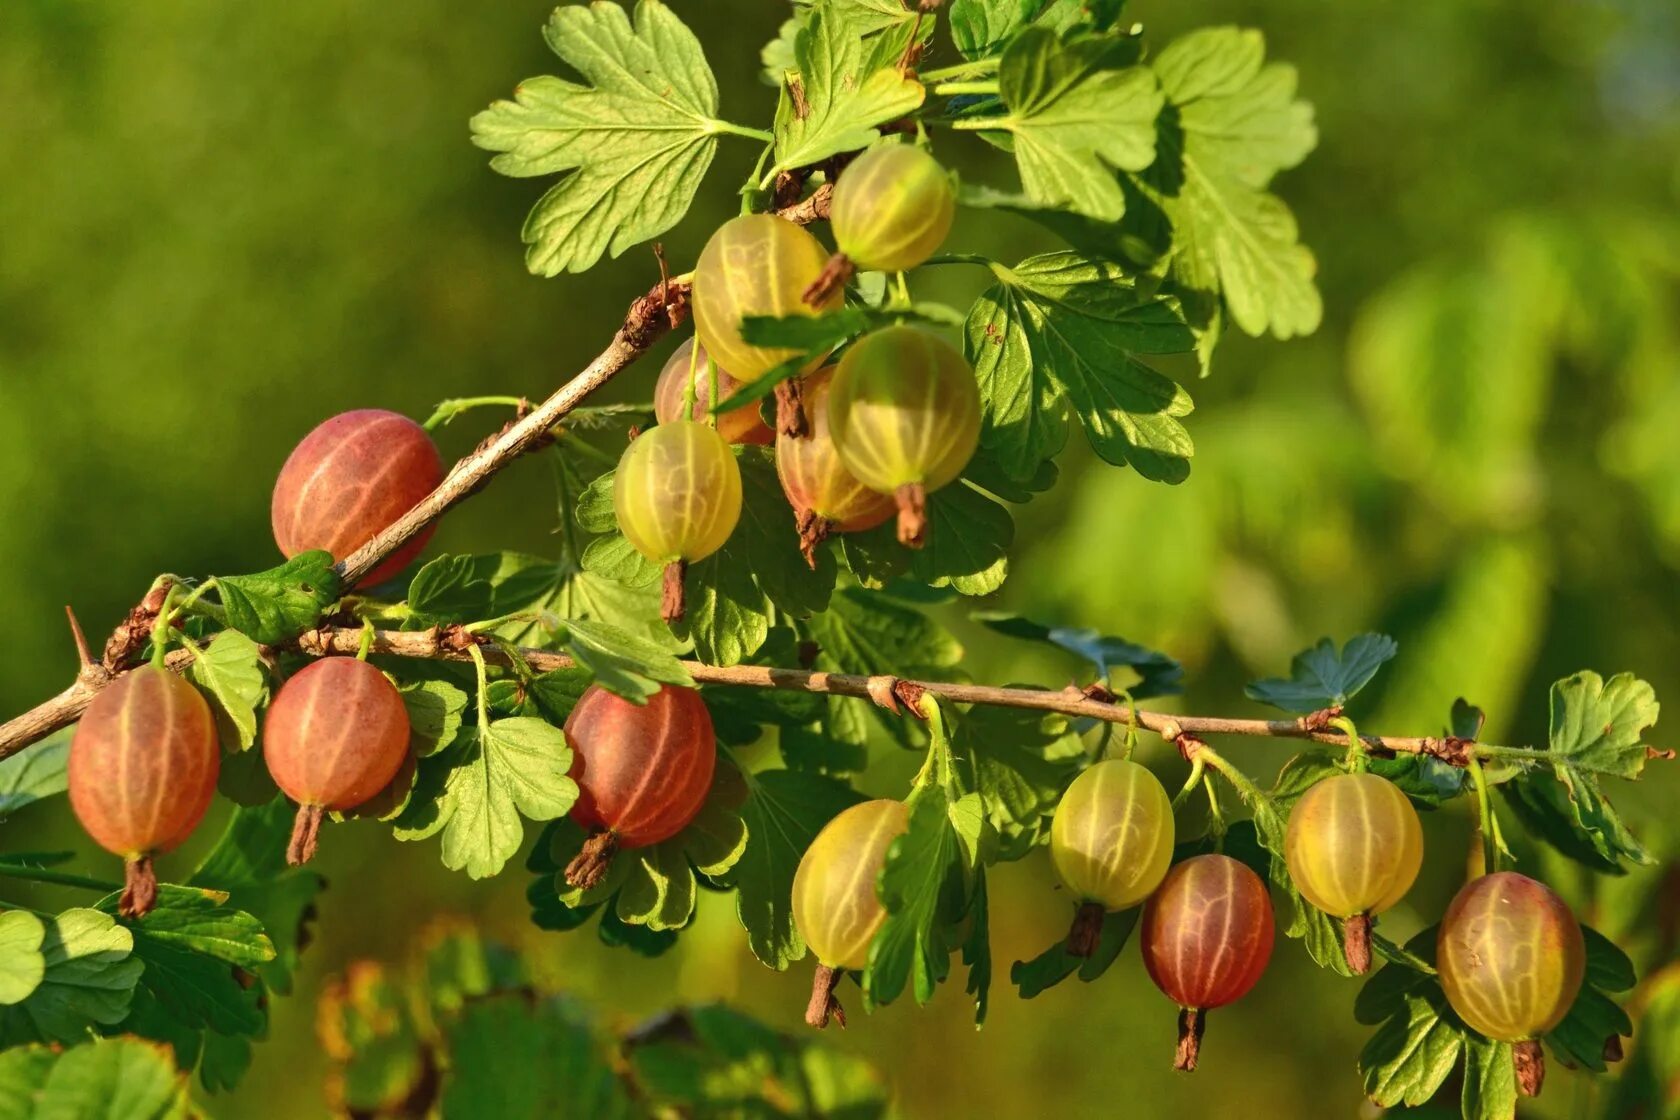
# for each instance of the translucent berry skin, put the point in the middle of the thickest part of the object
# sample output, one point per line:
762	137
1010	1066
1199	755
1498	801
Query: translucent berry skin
892	208
835	907
143	763
1511	956
1111	839
904	408
757	264
336	734
743	425
814	478
677	492
1207	932
643	772
1354	845
351	477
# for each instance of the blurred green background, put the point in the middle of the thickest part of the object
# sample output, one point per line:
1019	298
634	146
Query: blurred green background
220	223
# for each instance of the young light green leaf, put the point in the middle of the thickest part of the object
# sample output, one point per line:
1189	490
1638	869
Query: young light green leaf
22	967
199	920
279	604
1321	677
1076	111
1232	123
635	141
784	811
1490	1081
109	1079
450	588
230	670
87	980
1059	333
40	772
845	83
983	28
506	769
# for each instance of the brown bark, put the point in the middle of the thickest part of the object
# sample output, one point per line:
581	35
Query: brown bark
306	830
593	861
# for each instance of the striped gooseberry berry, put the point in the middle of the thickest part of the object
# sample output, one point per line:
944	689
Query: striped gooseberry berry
756	264
1207	935
1111	841
350	478
892	208
1354	847
334	737
142	771
835	905
1511	959
642	770
741	425
904	412
677	495
825	496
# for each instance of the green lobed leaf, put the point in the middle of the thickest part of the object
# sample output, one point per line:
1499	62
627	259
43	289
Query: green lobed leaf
1597	730
230	670
1060	335
633	143
784	811
983	28
109	1079
88	975
624	664
926	886
33	775
1595	1021
450	588
967	549
844	84
1319	934
1074	112
435	711
504	770
1490	1081
1321	677
1023	761
1232	122
277	605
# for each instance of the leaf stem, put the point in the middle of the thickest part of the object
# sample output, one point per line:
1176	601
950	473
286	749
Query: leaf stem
160	628
1197	769
963	69
447	410
957	89
728	128
1357	760
1216	813
960	258
57	878
1493	841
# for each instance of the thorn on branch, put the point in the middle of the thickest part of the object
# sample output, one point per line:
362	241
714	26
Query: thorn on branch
665	284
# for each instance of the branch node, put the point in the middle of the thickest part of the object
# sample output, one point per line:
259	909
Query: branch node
910	694
884	691
1188	745
1099	692
1451	749
1319	720
135	630
823	1003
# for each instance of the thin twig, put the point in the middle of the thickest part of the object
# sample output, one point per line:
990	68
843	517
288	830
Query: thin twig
452	644
649	317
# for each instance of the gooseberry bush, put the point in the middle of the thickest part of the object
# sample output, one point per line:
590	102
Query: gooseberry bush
739	612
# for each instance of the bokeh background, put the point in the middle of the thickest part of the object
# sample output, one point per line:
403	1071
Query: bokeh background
220	223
